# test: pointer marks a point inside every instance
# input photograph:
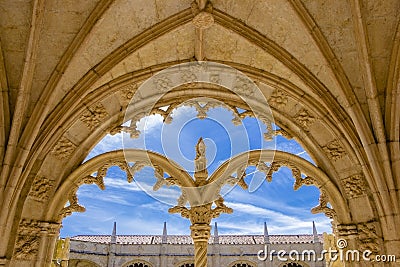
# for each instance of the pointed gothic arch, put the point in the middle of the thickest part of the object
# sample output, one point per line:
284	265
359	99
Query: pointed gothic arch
59	139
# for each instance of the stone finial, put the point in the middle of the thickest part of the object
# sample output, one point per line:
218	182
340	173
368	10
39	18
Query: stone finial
266	235
315	233
216	236
114	234
164	234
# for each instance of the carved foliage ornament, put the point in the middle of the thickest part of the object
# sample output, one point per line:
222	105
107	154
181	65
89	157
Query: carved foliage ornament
40	188
334	150
29	232
93	116
366	234
304	118
354	185
278	99
63	149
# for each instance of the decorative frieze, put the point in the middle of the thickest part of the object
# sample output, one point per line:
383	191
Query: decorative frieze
334	150
40	188
63	148
93	116
354	185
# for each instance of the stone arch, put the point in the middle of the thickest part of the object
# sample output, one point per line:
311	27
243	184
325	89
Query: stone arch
68	147
66	138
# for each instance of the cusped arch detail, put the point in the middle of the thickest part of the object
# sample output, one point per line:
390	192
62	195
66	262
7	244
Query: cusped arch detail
267	161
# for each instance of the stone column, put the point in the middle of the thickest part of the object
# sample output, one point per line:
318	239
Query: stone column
200	233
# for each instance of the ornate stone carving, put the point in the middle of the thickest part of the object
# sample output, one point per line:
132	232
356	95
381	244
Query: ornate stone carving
200	161
128	92
243	86
346	230
334	150
203	20
354	185
202	214
368	237
188	76
93	116
162	83
29	232
304	118
40	188
323	206
63	149
278	99
73	206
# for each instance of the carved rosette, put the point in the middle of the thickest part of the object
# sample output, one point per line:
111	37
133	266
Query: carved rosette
354	186
63	148
28	239
334	150
93	116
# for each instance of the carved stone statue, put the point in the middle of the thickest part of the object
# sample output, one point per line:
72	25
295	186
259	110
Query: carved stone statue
200	162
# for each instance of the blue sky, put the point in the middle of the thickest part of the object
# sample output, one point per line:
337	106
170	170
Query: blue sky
139	210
